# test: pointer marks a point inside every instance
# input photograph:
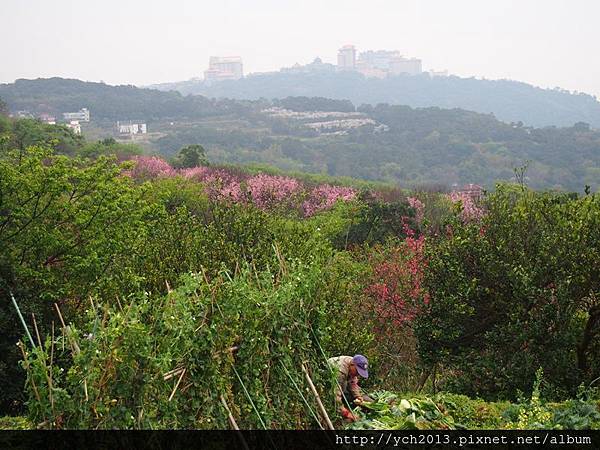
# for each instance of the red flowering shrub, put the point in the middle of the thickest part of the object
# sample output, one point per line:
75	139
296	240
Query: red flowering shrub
396	292
395	297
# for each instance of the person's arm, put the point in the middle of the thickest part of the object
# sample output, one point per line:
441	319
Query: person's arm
339	398
354	389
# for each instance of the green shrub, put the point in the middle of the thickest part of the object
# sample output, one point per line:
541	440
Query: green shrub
15	423
516	291
166	362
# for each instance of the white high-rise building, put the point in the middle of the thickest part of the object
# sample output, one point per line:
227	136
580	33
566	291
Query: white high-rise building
412	66
346	59
224	68
380	59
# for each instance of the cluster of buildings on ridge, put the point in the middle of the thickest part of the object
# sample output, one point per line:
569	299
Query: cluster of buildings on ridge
327	122
372	64
73	121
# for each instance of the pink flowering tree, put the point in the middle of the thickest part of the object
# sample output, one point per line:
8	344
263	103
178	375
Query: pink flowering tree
419	208
272	191
148	167
469	210
264	191
324	197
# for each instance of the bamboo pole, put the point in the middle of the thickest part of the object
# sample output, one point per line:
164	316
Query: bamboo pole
37	331
232	421
74	347
21	317
37	394
177	385
318	398
47	370
229	415
172	373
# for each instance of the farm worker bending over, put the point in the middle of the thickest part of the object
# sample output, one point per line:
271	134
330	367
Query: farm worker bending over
347	389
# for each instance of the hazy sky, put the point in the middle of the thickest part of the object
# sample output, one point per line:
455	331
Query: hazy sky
544	42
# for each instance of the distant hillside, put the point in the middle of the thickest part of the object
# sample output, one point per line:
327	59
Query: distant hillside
58	95
398	144
509	101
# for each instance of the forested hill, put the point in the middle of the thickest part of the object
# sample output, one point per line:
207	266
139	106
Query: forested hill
58	95
509	101
398	144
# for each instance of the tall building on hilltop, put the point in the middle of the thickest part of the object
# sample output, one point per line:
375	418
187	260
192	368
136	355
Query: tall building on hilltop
382	63
224	68
380	59
346	58
412	66
377	63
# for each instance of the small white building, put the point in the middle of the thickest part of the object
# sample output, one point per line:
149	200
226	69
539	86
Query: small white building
132	127
83	115
47	118
75	126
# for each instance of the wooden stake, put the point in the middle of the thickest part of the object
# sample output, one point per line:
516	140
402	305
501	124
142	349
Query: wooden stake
232	421
177	385
318	398
37	394
66	331
37	332
230	416
172	373
60	316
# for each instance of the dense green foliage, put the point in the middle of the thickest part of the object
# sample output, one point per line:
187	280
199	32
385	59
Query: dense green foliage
177	299
511	101
239	338
505	290
451	411
422	146
191	156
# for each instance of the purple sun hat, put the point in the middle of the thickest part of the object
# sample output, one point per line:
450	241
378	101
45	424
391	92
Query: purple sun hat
362	365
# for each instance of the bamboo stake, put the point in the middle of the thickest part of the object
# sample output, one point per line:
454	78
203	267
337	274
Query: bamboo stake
172	373
177	385
318	398
21	317
37	394
233	423
60	316
52	347
230	416
50	369
37	332
74	347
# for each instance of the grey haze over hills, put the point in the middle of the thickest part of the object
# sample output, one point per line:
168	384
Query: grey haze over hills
509	101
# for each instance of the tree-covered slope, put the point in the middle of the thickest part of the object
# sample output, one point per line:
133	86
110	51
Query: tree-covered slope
510	101
415	146
58	95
